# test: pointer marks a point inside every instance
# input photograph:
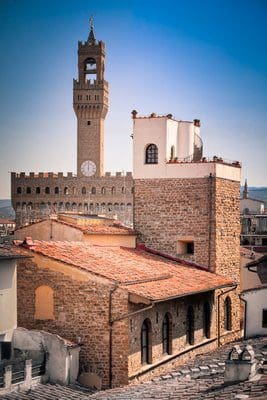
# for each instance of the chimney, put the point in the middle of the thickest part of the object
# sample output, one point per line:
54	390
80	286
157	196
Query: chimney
241	365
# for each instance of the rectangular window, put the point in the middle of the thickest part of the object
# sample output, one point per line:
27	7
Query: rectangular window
185	247
88	122
264	318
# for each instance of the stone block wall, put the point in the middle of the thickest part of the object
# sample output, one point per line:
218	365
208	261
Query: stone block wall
177	309
81	314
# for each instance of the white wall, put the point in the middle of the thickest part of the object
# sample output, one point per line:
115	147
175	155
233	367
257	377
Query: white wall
63	361
256	302
8	298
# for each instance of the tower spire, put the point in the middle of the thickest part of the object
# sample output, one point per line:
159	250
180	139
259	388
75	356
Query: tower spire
91	38
245	191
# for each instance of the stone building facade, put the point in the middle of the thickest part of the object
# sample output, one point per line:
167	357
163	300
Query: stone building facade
187	209
91	190
135	314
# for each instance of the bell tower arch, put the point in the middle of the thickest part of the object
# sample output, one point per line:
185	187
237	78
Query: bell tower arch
90	103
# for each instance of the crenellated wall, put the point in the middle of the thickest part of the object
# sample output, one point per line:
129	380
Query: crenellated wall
35	196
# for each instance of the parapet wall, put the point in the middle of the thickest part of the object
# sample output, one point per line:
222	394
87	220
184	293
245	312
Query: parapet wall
61	175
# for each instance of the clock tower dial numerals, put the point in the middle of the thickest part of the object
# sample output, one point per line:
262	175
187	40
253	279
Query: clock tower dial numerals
88	168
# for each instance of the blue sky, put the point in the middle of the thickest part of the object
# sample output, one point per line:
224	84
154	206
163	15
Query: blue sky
194	59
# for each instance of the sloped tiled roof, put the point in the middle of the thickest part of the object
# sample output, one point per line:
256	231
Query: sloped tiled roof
135	270
114	228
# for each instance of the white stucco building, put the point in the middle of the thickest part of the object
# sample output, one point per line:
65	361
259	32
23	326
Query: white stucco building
255	299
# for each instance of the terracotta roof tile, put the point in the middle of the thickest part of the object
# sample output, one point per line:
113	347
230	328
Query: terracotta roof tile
136	270
114	228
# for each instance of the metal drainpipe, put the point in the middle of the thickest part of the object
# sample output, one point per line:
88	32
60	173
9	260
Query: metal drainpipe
218	326
111	322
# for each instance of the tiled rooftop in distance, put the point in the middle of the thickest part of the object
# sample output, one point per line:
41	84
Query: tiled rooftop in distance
114	228
8	251
135	270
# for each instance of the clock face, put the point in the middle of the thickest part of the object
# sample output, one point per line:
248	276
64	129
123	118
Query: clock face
88	168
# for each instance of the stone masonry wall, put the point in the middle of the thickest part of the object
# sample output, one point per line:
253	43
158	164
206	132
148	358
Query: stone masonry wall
177	309
81	311
204	209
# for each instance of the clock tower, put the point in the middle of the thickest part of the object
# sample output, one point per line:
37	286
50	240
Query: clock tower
90	103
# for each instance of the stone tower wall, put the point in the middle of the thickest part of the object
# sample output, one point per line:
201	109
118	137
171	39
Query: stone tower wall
203	210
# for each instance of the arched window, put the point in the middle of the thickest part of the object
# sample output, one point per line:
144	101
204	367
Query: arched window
123	190
83	190
67	206
190	326
227	314
28	190
146	354
93	191
110	207
44	303
19	191
172	155
38	190
47	190
116	207
206	320
103	190
151	156
129	207
90	64
113	190
56	190
66	190
166	335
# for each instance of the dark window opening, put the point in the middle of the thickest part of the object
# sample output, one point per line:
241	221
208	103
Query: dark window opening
66	190
166	335
151	154
93	191
88	122
19	191
28	190
47	190
206	320
38	190
83	190
227	314
56	190
190	247
146	342
5	350
190	326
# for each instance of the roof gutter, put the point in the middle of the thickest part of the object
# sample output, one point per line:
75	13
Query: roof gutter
195	292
